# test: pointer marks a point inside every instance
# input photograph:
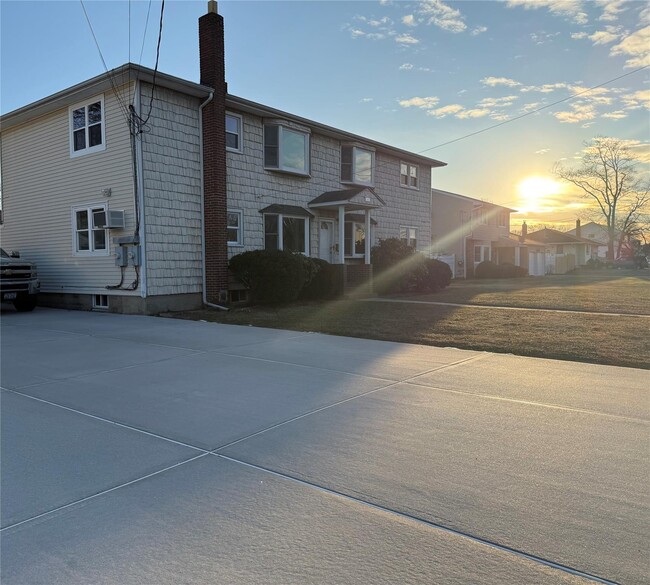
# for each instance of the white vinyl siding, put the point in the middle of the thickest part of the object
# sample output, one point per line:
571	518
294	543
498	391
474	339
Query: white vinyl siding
41	185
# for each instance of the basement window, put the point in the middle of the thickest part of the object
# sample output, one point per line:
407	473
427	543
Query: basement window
100	302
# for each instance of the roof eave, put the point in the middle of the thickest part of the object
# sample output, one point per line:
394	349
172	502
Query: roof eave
261	110
104	82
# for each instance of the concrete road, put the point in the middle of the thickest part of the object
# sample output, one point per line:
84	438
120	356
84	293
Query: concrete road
141	450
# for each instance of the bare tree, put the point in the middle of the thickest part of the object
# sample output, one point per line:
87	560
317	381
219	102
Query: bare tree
608	177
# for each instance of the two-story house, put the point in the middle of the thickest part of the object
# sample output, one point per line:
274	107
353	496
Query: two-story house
131	190
468	231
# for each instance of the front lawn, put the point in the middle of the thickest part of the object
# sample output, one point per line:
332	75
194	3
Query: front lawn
601	339
609	291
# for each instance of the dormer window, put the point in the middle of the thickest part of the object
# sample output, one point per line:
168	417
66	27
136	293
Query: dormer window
286	149
357	165
87	127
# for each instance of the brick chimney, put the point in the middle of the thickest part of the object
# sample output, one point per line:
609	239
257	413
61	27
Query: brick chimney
578	229
524	231
213	74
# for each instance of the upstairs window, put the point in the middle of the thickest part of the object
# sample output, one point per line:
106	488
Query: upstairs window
234	132
357	165
409	235
286	149
88	238
87	127
503	218
408	175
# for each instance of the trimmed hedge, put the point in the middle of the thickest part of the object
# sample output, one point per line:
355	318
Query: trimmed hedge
488	269
398	268
277	276
273	276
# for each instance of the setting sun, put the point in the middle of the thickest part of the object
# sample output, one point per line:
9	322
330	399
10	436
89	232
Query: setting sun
535	192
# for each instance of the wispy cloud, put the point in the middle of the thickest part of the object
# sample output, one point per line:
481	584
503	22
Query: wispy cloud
579	112
446	110
437	13
617	115
494	81
546	88
406	39
366	100
635	46
579	35
406	66
636	100
500	102
478	31
409	20
611	9
570	9
475	113
543	151
420	102
604	37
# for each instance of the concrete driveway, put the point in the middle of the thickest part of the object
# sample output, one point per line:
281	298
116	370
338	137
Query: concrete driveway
142	450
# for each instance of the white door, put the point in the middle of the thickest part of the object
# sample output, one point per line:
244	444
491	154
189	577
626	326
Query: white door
326	240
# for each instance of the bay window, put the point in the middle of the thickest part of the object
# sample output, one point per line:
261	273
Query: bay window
286	149
357	165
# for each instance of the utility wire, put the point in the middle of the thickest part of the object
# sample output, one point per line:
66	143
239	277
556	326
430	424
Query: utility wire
123	107
376	166
155	70
536	110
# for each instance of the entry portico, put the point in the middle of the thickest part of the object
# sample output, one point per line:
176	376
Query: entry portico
346	201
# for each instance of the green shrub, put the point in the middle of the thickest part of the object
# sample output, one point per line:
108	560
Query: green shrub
273	276
595	264
488	269
325	281
399	268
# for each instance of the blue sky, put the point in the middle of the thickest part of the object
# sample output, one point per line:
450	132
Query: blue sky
412	74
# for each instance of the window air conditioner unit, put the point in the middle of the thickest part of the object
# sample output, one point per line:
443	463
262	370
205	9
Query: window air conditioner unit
109	219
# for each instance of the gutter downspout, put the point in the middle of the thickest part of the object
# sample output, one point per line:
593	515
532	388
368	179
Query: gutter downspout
204	293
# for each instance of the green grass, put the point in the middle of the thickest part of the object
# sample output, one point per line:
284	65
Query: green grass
601	339
607	291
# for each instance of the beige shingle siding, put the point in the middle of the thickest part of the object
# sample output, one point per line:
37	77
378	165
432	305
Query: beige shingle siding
251	188
42	183
172	192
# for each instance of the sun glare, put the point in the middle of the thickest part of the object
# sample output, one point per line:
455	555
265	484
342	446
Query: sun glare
535	193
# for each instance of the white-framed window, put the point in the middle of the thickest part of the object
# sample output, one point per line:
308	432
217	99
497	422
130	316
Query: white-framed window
481	253
409	235
286	149
88	239
234	132
235	227
354	239
357	165
286	232
87	127
100	302
408	175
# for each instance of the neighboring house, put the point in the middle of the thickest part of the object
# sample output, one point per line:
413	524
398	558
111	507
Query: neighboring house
138	210
563	251
623	247
468	231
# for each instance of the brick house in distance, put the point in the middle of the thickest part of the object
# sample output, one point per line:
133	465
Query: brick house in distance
132	190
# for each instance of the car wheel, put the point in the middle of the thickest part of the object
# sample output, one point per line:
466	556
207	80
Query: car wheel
25	303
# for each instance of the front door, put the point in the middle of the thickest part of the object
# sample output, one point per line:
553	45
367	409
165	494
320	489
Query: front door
326	240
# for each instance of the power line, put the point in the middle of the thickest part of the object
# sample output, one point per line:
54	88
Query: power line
375	167
155	70
536	110
101	56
